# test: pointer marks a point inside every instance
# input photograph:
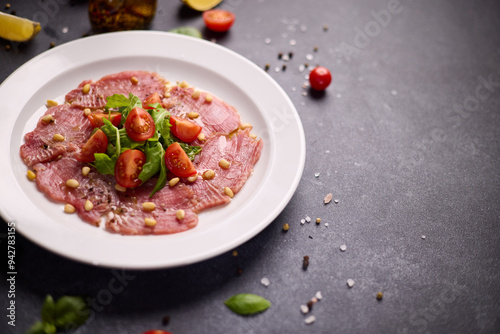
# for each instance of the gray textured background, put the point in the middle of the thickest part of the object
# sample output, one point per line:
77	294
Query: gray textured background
401	138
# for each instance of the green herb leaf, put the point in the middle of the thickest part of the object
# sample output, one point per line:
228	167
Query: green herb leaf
37	328
123	104
48	310
189	31
247	303
160	117
104	163
162	179
191	151
71	310
154	153
49	328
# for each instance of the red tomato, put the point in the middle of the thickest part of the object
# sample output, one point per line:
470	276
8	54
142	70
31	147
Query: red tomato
128	167
152	99
177	161
218	20
98	143
139	124
320	78
184	130
97	122
156	331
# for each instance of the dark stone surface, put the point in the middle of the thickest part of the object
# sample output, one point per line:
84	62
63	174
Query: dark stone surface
401	138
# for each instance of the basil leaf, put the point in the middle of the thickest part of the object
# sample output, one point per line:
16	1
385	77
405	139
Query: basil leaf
247	303
162	179
48	310
104	163
37	328
188	31
71	310
154	154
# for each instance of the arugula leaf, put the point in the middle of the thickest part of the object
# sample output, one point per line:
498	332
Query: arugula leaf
48	309
123	104
189	31
104	163
247	303
162	179
37	328
154	154
191	151
71	310
160	117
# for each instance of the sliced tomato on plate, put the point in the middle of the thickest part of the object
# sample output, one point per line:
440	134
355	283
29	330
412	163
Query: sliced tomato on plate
185	130
97	143
96	118
139	124
178	162
128	167
152	99
218	20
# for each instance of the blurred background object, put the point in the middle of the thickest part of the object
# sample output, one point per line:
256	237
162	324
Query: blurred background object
116	15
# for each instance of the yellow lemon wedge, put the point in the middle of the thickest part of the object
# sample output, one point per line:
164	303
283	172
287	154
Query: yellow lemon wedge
17	29
202	5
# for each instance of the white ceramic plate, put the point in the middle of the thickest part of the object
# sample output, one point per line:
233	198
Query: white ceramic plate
258	98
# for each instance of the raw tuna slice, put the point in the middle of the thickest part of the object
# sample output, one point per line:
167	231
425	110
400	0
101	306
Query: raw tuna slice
120	83
128	217
215	116
51	178
68	121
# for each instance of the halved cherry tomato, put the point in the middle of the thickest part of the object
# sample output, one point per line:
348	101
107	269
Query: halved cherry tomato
177	161
184	130
128	167
96	118
139	124
156	331
97	143
152	99
218	20
320	78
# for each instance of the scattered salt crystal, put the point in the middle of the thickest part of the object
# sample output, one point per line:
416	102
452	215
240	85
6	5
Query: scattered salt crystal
350	282
343	248
339	95
303	28
316	174
284	34
304	93
336	201
65	30
326	224
294	89
306	77
423	237
309	320
318	295
265	281
302	68
302	221
328	198
267	40
304	309
314	300
308	219
276	69
309	56
285	57
394	92
293	42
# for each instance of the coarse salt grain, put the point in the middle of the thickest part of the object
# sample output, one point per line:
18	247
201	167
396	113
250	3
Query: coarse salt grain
309	320
308	219
336	201
326	224
316	174
265	281
350	282
304	309
343	248
423	237
302	221
318	295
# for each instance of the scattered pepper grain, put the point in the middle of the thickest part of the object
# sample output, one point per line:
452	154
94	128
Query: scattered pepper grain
286	227
318	220
165	320
7	47
380	295
305	262
51	45
234	253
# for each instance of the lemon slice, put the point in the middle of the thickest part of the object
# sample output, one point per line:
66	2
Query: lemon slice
202	5
17	29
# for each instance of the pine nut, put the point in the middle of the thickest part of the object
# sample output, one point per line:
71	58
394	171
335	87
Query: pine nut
31	175
228	192
72	183
48	118
173	181
86	89
208	98
184	84
201	137
193	178
88	205
148	206
195	94
180	214
58	137
52	103
85	171
87	111
120	188
223	163
253	136
150	222
68	208
193	115
134	80
208	174
245	126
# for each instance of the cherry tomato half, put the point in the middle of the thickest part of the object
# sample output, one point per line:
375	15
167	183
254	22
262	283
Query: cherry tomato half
139	124
177	161
97	143
152	99
218	20
156	331
184	130
128	167
320	78
96	118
